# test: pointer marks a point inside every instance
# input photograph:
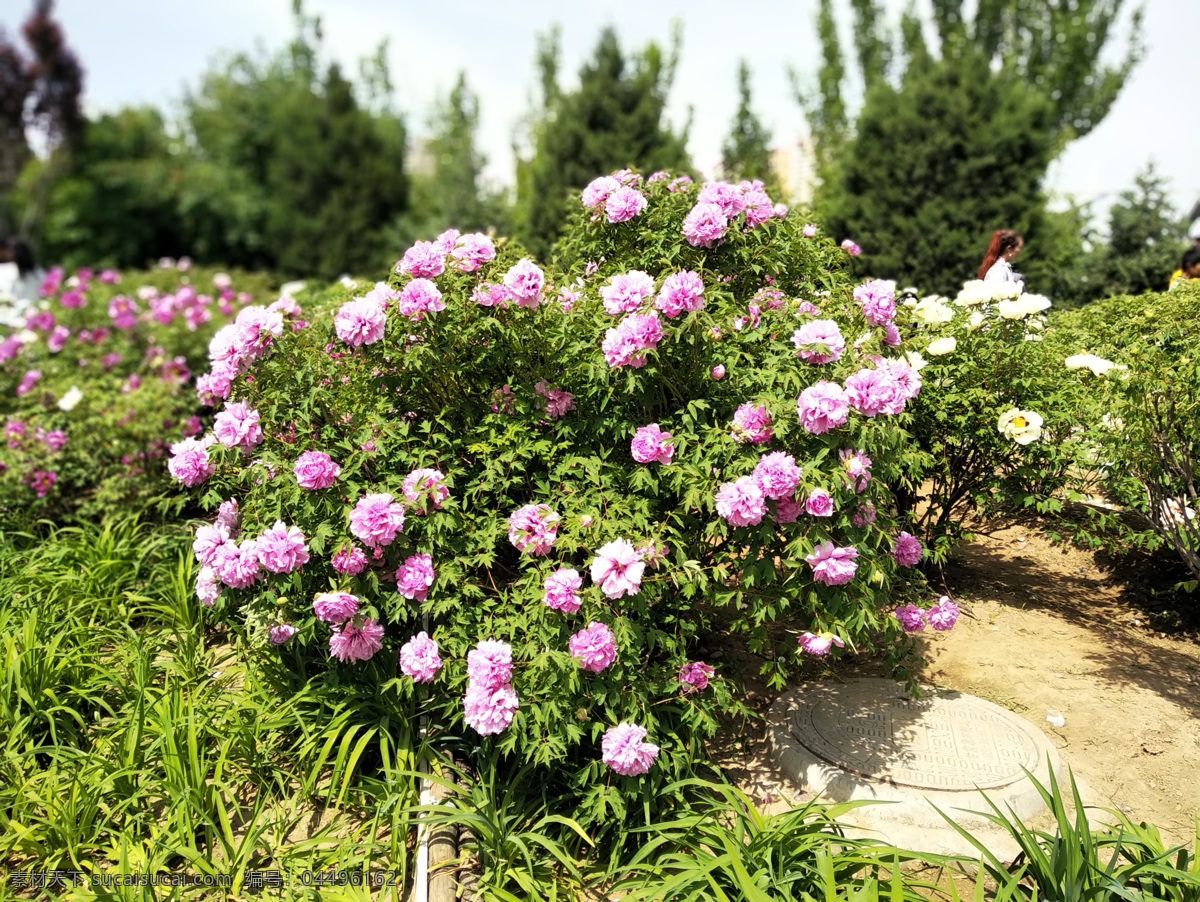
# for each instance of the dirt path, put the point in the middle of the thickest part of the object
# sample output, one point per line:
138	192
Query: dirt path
1050	630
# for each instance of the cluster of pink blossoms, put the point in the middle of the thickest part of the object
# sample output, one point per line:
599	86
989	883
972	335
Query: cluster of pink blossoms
419	658
594	646
533	528
940	616
234	347
719	203
634	336
650	443
625	750
743	502
490	701
617	194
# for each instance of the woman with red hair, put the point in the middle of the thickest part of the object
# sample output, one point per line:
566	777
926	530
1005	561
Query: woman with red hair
997	262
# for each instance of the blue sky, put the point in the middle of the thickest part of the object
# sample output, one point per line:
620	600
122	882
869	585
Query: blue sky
150	51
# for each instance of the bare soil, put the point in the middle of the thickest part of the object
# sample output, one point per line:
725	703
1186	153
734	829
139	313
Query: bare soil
1047	630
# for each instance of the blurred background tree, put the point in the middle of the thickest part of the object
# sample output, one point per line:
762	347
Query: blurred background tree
1020	79
614	119
747	150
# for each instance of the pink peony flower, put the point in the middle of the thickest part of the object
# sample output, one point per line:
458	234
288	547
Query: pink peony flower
752	423
42	481
316	470
28	381
445	242
418	297
594	646
524	282
718	371
415	576
208	587
227	516
281	549
237	565
787	510
865	515
419	658
625	292
425	484
809	230
741	503
625	750
237	426
208	540
694	677
488	295
851	248
423	260
819	341
472	251
681	292
819	643
354	642
558	402
907	550
335	607
911	617
777	474
857	466
489	664
360	322
489	711
350	560
624	204
651	444
873	392
282	633
943	615
376	519
189	462
533	528
819	504
877	299
617	569
561	588
832	565
705	224
598	191
627	344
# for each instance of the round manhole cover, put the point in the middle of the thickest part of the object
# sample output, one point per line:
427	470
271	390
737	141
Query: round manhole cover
939	741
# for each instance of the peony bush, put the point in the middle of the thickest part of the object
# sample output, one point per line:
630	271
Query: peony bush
517	494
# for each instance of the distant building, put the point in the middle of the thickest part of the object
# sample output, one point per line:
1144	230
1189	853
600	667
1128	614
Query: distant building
795	168
420	158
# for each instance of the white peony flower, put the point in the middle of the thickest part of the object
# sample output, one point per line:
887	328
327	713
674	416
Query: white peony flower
975	292
915	360
70	399
1097	365
975	322
941	346
1022	426
291	289
932	312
